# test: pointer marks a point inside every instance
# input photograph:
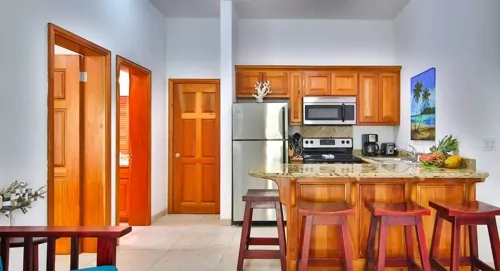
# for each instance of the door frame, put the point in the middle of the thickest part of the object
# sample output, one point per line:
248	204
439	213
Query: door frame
73	42
131	65
171	83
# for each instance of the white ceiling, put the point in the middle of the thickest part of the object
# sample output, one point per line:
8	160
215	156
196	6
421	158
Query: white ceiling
286	9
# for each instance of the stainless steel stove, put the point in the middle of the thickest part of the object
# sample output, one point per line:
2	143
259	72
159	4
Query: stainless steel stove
328	150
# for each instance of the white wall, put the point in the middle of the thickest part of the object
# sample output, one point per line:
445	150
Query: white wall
132	28
315	42
228	18
465	50
193	48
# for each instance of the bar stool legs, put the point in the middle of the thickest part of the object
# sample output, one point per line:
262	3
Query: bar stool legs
261	199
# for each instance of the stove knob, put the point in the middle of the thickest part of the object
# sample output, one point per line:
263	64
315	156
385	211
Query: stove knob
312	142
347	142
307	142
343	142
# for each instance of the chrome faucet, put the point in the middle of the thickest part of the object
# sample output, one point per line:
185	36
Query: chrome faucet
414	157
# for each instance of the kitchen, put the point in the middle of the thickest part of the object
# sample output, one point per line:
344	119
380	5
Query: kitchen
333	42
323	167
316	110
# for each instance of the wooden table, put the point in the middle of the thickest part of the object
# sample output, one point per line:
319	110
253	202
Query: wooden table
372	182
106	244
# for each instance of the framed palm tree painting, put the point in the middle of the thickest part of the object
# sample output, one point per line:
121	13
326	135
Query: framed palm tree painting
423	105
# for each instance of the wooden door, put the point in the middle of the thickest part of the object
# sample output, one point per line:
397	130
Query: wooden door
195	147
140	142
368	98
124	154
317	83
66	145
295	99
389	102
344	83
94	176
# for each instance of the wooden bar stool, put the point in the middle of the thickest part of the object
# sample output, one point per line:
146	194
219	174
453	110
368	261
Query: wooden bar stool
465	214
406	214
262	199
328	214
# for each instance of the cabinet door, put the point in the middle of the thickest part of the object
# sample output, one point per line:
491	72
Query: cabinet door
389	102
317	83
295	99
344	83
368	98
279	82
245	83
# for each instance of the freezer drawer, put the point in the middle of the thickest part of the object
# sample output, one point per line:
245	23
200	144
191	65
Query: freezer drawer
247	155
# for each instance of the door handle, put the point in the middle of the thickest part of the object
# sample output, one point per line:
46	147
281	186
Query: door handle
177	155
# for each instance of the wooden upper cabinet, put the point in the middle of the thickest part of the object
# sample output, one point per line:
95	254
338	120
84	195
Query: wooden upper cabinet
246	80
316	83
368	98
378	99
344	83
389	101
245	83
279	82
295	99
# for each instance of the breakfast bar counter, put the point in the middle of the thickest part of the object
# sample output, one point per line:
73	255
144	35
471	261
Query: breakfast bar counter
356	183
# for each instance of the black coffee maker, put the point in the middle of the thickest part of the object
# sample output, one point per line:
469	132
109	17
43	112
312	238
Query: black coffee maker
369	144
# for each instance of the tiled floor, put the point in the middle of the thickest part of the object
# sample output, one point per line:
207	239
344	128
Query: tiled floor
182	242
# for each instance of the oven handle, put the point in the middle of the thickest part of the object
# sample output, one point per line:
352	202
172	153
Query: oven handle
343	112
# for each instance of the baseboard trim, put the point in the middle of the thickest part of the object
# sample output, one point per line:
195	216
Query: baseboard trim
158	215
225	222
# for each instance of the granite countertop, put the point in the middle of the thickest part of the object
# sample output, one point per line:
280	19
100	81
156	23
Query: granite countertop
369	170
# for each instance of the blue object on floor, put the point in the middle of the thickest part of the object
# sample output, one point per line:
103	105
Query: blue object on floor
1	265
98	268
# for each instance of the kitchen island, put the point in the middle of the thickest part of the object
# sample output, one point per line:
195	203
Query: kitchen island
356	183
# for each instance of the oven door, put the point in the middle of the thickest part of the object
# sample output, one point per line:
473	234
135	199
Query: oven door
329	111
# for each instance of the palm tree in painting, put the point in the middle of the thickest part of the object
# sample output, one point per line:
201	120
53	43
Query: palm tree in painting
426	95
417	93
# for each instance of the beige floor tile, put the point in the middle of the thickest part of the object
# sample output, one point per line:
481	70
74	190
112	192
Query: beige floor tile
194	260
183	242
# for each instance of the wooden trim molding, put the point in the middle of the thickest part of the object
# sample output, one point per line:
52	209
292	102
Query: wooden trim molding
122	62
315	68
171	83
66	39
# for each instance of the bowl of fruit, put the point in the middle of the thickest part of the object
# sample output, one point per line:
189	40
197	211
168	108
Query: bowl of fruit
444	154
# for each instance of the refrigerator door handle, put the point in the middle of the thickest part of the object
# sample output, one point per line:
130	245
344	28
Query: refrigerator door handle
285	136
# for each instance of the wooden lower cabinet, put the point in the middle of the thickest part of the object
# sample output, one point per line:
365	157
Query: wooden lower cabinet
124	199
325	241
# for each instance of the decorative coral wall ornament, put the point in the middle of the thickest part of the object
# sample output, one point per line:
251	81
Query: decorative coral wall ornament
262	90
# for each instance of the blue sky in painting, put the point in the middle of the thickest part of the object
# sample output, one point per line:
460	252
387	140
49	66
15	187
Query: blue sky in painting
428	79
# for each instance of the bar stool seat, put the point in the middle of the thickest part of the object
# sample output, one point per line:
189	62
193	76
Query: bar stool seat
468	214
406	214
328	214
262	199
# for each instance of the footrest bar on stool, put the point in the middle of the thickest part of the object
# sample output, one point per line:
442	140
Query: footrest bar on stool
440	263
262	254
263	241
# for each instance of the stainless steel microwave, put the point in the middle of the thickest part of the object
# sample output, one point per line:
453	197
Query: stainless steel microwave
329	110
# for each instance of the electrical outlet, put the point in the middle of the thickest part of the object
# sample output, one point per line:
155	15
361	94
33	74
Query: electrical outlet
489	144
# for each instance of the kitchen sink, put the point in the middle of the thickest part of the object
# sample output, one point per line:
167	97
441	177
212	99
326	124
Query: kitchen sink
394	160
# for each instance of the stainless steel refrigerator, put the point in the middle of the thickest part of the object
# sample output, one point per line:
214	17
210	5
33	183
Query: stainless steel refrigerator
260	136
